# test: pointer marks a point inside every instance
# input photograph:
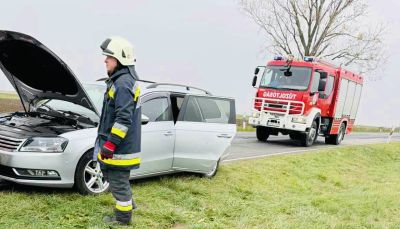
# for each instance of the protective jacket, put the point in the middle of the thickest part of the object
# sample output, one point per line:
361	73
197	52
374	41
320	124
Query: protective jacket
120	121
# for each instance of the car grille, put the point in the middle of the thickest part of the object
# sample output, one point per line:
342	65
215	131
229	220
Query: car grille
9	144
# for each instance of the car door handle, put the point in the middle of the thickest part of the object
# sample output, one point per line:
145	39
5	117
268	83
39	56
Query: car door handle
168	133
224	136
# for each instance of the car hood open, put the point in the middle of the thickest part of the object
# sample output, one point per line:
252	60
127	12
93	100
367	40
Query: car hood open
37	73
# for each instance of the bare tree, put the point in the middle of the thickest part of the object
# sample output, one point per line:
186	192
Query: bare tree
329	29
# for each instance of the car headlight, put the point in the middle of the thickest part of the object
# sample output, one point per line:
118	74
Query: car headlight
299	119
46	145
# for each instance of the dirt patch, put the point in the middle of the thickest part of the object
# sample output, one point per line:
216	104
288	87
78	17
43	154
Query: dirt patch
10	105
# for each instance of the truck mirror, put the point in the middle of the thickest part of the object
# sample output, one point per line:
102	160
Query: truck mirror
254	81
322	74
287	73
256	71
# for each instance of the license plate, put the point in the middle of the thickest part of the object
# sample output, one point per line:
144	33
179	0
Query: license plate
273	122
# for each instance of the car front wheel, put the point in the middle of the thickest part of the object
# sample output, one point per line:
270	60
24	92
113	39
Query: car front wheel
89	179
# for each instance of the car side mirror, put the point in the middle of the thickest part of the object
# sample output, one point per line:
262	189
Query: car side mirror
256	71
145	119
254	81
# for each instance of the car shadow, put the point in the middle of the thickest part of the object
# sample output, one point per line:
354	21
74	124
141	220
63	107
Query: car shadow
10	187
289	142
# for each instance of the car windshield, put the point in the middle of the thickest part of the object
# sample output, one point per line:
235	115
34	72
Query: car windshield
274	77
96	94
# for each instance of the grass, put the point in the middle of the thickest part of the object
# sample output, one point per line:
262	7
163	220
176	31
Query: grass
376	129
8	95
346	187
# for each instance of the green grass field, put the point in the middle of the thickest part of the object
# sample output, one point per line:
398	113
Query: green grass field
8	95
346	187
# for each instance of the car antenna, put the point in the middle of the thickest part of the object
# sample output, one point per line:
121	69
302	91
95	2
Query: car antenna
16	88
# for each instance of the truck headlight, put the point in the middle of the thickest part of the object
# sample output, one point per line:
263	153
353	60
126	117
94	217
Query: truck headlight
256	114
299	119
46	145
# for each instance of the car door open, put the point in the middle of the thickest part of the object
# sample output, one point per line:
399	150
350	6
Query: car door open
158	135
205	129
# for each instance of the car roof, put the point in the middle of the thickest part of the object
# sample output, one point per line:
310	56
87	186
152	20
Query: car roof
179	89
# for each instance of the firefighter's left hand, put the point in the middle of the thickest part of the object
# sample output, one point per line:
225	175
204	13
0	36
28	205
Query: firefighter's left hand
107	150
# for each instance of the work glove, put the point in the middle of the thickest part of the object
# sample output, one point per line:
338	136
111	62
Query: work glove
107	150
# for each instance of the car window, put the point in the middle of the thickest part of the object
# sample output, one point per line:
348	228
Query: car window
210	110
329	86
315	82
157	109
192	113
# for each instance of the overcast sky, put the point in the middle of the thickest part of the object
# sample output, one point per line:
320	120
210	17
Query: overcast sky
211	44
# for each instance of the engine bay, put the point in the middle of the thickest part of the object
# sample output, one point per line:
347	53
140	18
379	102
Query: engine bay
39	123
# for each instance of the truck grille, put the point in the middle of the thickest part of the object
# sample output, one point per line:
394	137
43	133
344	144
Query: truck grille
9	144
279	106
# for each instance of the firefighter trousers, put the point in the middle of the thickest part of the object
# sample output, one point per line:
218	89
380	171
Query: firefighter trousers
121	191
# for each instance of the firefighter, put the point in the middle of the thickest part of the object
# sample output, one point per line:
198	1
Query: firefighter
119	134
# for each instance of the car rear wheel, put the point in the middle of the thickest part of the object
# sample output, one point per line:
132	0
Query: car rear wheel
262	133
213	171
89	179
309	138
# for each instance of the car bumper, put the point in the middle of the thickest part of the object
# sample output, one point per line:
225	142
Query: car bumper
13	164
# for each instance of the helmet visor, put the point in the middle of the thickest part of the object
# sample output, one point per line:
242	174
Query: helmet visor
104	46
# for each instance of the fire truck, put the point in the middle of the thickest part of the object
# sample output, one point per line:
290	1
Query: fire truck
305	99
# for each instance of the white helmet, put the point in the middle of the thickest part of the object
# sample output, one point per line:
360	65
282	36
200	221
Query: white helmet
120	49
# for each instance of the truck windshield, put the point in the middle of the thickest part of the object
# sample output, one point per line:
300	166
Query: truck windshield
274	78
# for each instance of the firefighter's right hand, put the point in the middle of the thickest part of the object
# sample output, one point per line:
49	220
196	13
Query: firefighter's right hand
107	150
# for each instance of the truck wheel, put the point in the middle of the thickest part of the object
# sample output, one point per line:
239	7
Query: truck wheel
89	179
309	138
262	133
336	139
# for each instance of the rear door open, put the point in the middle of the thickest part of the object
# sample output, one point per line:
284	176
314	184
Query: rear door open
205	129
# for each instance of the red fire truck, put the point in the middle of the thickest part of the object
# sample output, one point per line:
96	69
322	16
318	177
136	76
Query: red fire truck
304	99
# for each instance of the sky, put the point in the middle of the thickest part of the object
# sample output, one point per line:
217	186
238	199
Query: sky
208	44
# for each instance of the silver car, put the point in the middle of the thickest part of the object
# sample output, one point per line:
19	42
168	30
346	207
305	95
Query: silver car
51	143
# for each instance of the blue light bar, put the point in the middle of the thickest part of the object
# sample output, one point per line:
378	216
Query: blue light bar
309	59
278	57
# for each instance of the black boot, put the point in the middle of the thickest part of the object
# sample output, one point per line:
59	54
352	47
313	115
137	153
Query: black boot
123	217
113	220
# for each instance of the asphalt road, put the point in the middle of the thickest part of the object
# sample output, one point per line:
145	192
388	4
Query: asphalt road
246	145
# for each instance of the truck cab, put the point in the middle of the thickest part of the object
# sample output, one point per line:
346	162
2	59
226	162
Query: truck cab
304	99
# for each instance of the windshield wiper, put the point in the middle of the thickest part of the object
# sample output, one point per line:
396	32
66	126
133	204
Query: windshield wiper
77	114
47	106
287	88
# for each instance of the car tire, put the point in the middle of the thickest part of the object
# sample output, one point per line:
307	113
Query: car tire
89	179
310	137
213	172
262	133
336	139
